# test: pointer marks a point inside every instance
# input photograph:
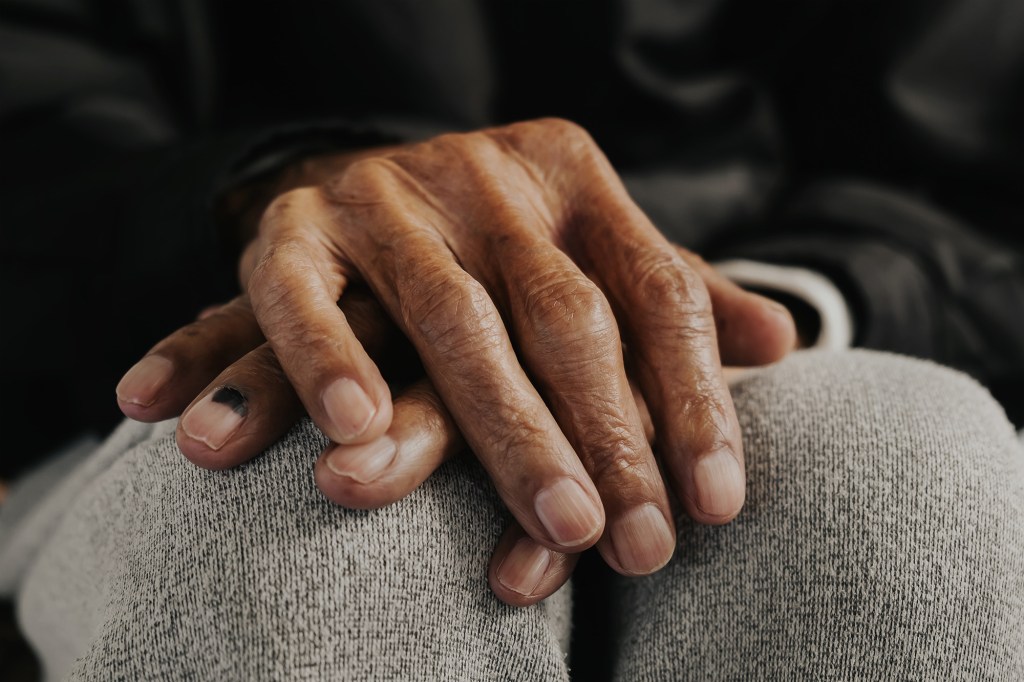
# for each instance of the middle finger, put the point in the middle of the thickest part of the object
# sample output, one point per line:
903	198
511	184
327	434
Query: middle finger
569	341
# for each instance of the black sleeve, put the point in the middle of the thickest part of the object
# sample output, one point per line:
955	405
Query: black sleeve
881	144
107	188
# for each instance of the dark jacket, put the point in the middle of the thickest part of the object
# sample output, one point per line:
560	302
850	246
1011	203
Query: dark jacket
881	143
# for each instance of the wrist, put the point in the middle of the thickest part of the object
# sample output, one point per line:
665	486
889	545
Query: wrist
240	209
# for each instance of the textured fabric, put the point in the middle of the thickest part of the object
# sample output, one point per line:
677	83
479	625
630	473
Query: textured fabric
877	142
883	538
160	570
39	500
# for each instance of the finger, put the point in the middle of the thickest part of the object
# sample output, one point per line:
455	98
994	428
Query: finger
569	341
666	315
243	412
295	288
523	571
421	437
664	311
176	369
252	404
752	329
460	336
645	414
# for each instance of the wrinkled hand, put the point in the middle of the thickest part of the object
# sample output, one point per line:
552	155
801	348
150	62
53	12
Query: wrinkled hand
472	243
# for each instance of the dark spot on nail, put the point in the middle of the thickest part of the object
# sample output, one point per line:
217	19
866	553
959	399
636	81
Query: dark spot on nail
233	398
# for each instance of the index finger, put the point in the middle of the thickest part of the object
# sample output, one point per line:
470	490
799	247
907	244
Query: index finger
294	289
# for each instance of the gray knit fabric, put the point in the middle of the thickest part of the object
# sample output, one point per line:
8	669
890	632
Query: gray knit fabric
160	570
883	537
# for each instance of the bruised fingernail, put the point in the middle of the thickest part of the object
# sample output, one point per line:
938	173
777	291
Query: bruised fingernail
215	418
568	514
524	567
642	540
141	384
348	407
719	483
364	463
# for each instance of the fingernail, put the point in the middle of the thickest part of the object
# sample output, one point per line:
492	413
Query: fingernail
719	484
642	540
524	567
567	513
348	406
216	417
364	463
142	382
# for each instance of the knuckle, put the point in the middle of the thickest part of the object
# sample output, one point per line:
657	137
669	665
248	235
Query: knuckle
271	275
439	154
283	205
518	446
547	135
667	284
452	315
369	169
361	181
281	281
560	305
703	414
619	462
563	128
461	143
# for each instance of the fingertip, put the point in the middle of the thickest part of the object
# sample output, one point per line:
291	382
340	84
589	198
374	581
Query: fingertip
207	431
754	330
354	417
640	542
200	454
363	463
524	572
140	413
216	417
363	476
570	513
370	475
523	568
781	333
718	488
140	387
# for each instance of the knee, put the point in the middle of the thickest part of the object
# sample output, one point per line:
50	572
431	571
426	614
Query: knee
884	521
220	564
890	430
268	514
895	465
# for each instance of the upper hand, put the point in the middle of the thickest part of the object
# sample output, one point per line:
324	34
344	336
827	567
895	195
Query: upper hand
519	235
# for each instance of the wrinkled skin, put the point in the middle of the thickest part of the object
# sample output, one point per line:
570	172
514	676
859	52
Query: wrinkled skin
525	278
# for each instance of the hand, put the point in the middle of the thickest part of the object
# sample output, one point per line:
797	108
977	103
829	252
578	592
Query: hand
520	221
752	329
